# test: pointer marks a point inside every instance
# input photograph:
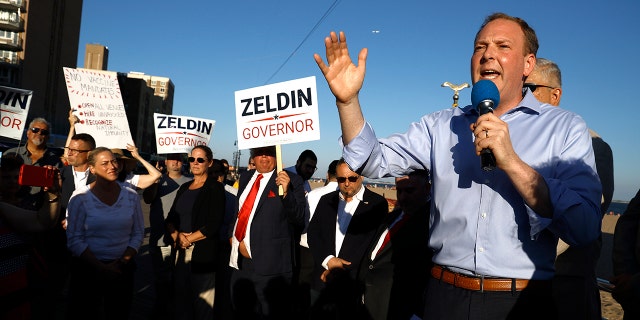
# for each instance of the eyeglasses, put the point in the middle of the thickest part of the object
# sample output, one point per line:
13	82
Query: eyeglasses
264	151
200	160
533	86
43	132
344	179
75	150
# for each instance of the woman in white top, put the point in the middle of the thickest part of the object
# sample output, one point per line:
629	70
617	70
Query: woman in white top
105	229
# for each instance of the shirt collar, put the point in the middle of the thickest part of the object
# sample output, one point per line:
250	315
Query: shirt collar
80	174
529	102
358	196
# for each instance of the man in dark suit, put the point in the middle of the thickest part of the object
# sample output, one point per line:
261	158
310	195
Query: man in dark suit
394	268
54	241
342	228
262	239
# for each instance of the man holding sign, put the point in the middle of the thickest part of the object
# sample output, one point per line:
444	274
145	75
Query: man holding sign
262	243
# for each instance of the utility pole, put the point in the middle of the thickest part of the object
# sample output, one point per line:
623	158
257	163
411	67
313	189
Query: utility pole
236	160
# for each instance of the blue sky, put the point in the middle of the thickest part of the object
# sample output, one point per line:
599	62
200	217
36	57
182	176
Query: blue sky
210	49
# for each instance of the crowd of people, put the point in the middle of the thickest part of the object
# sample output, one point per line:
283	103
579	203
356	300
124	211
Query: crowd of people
517	242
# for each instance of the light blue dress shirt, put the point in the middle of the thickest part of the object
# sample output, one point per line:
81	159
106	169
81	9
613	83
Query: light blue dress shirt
479	223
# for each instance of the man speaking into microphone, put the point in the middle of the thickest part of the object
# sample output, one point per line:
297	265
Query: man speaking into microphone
493	233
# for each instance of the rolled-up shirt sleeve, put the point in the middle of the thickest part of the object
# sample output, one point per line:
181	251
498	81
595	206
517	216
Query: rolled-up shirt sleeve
575	190
394	156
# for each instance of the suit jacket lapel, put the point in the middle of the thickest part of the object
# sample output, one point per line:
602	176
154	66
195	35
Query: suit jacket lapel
271	185
386	226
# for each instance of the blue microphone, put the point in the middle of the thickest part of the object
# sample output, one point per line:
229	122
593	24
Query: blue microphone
484	97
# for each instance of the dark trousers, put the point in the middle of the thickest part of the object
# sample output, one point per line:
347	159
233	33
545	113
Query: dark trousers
302	278
577	297
222	307
162	260
444	301
94	295
257	296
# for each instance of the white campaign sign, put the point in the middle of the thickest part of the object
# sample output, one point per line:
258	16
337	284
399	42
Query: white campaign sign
14	109
279	113
179	134
95	98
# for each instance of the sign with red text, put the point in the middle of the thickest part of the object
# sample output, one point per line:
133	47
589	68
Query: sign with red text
279	113
96	100
14	109
179	134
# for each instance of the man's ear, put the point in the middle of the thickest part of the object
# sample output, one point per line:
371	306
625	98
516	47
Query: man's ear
529	64
556	94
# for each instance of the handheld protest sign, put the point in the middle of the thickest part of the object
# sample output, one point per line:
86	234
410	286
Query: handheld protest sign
14	109
95	98
179	134
279	113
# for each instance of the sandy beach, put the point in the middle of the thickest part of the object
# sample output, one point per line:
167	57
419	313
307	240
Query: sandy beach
611	310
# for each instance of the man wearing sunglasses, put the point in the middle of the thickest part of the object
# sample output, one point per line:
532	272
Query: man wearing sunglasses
344	224
575	288
262	241
36	152
545	82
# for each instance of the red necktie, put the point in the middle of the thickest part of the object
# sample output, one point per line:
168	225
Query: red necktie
245	211
393	231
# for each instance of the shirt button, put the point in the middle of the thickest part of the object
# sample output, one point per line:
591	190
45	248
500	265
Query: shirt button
370	267
483	215
481	249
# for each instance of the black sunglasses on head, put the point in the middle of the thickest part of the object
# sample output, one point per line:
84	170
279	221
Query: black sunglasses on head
43	132
200	160
533	86
343	179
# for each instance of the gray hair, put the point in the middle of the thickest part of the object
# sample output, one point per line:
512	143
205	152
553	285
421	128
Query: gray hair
40	120
549	70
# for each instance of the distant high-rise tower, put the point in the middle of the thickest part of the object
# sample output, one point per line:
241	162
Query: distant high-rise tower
96	57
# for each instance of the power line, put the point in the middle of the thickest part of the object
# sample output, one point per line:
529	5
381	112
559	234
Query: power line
324	16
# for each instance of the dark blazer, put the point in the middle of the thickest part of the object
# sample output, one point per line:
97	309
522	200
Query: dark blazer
395	280
207	215
273	225
362	229
626	258
69	185
54	240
